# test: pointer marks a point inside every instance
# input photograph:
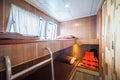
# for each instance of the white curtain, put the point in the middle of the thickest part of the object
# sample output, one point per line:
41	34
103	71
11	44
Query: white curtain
24	22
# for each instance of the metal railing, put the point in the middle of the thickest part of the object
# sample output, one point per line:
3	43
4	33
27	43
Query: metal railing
9	75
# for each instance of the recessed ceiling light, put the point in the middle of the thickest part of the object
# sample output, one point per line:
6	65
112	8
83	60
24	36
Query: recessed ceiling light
66	6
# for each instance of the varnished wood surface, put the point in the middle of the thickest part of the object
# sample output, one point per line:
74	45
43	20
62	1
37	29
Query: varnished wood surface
87	41
1	15
25	55
99	25
7	42
110	31
22	53
81	28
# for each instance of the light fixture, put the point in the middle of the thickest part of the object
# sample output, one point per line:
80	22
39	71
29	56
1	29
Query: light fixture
76	24
66	6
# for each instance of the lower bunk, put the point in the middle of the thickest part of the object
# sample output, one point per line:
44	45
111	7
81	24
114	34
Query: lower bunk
62	71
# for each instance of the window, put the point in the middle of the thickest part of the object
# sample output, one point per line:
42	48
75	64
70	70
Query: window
24	22
42	32
51	30
12	28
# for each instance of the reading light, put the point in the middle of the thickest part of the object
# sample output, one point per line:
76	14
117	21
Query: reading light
66	6
76	50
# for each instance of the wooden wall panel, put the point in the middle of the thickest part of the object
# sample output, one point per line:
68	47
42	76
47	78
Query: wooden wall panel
54	45
87	41
15	52
117	43
1	15
29	51
87	47
110	40
99	26
22	53
81	28
19	53
41	49
117	3
67	43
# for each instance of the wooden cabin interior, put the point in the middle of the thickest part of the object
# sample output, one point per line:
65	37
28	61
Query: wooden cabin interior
59	39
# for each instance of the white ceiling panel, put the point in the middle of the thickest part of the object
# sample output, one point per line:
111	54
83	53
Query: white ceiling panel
66	15
77	8
40	1
96	5
38	5
55	5
52	12
80	15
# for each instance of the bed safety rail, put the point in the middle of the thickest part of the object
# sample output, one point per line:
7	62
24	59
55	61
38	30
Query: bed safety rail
9	75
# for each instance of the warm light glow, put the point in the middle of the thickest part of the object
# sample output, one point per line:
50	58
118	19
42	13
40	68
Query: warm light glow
66	6
76	24
76	50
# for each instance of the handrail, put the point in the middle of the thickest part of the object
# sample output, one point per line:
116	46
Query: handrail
28	69
52	66
8	67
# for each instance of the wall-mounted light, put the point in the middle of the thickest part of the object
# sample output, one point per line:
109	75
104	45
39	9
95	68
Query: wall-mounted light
76	50
76	24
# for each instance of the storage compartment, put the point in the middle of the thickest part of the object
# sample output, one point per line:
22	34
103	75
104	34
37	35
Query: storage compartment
89	56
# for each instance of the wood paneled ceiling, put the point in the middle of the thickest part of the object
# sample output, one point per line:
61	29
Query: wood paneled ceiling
76	8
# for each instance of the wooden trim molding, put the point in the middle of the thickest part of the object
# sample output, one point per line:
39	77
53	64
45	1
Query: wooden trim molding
7	42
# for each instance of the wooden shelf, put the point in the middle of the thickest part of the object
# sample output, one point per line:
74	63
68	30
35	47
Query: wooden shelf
87	70
11	42
87	41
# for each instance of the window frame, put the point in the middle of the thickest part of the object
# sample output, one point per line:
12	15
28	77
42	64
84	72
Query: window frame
43	24
54	30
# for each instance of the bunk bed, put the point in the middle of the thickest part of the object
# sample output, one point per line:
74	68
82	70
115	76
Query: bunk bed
56	69
62	71
8	67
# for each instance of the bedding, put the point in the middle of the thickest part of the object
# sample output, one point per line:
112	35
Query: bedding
66	37
16	36
66	59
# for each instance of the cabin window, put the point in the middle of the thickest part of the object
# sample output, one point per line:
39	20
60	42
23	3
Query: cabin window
42	32
51	30
12	28
24	22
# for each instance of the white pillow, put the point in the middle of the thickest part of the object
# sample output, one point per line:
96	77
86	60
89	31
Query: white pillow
72	60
